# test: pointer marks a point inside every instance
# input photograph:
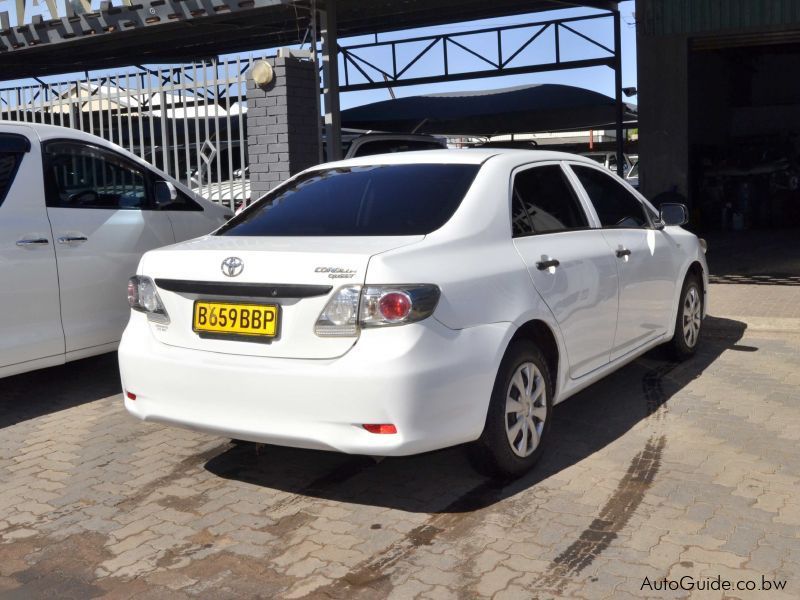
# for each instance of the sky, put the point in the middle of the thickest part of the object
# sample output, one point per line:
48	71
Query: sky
600	79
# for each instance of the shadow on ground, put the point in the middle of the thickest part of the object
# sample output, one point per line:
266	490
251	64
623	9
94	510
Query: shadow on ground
38	393
443	481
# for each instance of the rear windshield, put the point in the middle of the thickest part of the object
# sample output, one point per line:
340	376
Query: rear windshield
359	201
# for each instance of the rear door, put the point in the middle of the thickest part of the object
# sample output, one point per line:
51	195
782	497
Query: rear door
569	262
30	319
645	259
100	207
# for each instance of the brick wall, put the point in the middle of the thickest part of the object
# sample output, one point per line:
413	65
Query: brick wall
282	124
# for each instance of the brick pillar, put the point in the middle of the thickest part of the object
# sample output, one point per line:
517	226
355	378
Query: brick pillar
282	124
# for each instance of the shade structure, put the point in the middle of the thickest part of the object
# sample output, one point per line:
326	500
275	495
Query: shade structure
521	109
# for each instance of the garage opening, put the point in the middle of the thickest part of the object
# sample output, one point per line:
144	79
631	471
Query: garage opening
744	136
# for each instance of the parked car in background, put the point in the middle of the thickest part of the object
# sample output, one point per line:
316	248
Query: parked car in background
76	214
609	160
395	304
384	143
519	144
234	193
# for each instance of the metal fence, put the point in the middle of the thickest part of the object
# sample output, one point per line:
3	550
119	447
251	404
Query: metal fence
189	120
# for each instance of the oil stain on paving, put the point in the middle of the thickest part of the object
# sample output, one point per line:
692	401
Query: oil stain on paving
371	578
614	515
625	500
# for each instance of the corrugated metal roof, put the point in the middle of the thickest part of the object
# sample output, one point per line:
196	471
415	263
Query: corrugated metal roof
668	17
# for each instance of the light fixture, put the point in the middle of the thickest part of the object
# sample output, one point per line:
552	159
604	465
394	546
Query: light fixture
262	73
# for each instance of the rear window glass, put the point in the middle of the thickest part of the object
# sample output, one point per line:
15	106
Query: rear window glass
359	201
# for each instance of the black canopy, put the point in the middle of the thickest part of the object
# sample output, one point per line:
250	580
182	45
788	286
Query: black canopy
522	109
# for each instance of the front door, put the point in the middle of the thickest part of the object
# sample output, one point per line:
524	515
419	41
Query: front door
30	320
644	256
100	208
569	263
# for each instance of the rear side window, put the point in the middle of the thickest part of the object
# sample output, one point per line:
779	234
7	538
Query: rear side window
377	200
84	176
543	201
12	149
615	206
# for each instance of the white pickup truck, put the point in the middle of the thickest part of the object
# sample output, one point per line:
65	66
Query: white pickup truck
76	214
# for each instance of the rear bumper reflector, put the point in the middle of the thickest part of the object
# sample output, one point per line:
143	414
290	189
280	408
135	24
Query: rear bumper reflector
382	428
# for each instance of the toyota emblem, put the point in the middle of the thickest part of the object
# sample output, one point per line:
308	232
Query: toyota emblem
232	266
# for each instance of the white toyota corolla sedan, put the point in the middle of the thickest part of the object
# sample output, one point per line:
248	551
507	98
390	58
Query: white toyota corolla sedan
395	304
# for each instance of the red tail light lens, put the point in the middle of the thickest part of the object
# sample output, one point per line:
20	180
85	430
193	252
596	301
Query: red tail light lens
382	428
394	306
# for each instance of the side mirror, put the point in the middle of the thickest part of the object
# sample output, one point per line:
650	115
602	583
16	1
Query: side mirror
165	194
674	214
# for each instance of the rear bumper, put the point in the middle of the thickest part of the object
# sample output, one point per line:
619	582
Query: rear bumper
431	382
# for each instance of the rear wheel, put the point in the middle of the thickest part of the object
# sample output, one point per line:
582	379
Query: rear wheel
520	411
689	321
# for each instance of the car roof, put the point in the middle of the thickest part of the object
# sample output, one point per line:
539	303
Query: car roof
473	156
48	132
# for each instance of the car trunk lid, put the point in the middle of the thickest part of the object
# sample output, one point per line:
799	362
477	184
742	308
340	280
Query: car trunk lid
296	275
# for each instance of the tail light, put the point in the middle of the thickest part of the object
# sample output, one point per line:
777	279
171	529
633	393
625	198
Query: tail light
354	307
143	297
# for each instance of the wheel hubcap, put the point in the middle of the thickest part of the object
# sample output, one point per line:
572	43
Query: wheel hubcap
692	312
526	409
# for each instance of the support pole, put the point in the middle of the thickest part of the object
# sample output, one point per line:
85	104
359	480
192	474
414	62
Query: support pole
318	83
330	77
618	91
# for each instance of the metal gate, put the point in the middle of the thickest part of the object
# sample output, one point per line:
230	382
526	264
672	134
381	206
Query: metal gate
189	121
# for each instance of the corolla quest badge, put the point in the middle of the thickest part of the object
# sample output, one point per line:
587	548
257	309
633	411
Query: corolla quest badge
232	266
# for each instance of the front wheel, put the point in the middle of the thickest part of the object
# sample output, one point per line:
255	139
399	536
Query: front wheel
519	416
689	321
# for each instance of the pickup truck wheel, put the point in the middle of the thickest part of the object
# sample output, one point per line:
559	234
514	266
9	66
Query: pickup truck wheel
689	321
519	415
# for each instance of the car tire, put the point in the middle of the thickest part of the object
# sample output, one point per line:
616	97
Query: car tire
689	320
519	415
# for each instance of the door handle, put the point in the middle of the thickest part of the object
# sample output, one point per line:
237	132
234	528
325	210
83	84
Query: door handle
623	252
33	242
546	264
70	239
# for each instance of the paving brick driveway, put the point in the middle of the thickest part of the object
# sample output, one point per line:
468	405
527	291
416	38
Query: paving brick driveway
661	470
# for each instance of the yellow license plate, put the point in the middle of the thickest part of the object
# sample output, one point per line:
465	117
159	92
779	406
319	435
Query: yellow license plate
235	318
